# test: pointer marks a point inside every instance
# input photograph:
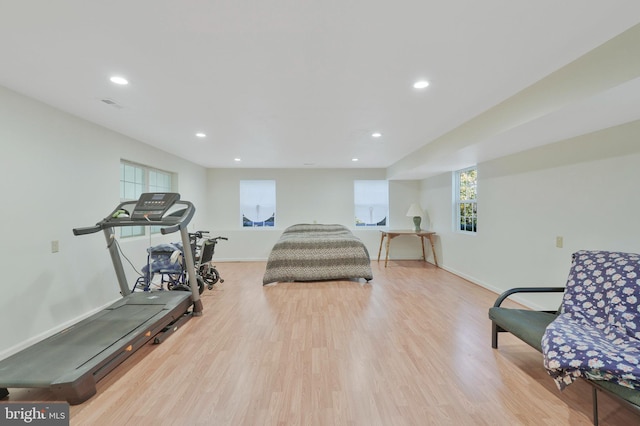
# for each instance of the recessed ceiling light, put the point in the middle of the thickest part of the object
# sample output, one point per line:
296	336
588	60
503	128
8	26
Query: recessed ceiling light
201	135
237	160
354	159
119	80
376	134
420	84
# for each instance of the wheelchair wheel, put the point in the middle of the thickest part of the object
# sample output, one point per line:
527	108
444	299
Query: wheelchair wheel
185	287
178	287
141	285
210	275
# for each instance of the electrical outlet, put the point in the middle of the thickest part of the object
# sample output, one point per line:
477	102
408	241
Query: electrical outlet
559	242
55	246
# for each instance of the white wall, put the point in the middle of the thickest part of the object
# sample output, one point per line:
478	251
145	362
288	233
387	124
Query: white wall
61	172
302	196
583	189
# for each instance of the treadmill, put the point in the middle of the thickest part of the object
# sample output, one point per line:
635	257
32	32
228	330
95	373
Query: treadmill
71	362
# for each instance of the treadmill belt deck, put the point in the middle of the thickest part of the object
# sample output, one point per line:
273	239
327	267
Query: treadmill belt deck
89	343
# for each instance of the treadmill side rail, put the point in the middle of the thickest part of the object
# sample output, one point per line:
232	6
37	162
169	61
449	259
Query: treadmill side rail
76	392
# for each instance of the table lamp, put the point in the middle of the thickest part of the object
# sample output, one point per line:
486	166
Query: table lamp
416	212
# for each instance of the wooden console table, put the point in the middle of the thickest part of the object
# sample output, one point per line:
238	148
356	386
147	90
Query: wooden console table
392	234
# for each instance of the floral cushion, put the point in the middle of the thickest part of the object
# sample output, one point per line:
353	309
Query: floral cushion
597	334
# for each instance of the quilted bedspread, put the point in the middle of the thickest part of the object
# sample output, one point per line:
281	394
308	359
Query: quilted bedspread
315	252
597	334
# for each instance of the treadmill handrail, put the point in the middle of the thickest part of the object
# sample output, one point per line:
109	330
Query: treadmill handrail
170	223
169	229
87	230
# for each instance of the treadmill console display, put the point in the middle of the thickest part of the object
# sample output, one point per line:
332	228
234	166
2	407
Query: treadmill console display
153	205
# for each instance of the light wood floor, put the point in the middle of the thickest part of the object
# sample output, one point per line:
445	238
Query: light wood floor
412	347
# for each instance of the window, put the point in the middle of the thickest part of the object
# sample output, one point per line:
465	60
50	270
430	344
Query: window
258	203
371	199
466	198
136	179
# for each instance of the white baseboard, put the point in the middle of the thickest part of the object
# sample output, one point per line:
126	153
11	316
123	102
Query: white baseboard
497	291
32	341
232	259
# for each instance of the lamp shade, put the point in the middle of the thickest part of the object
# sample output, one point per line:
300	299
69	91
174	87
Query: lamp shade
414	210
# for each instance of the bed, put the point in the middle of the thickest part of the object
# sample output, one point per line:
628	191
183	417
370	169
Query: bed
317	252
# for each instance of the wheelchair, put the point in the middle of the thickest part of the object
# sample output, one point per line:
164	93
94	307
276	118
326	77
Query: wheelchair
165	269
203	254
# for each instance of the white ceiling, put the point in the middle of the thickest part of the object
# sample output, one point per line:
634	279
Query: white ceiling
299	83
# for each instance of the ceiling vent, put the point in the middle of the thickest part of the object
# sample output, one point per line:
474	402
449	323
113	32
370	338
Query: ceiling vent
111	102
